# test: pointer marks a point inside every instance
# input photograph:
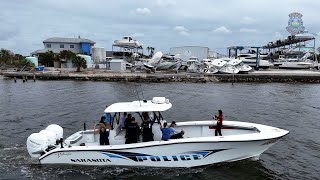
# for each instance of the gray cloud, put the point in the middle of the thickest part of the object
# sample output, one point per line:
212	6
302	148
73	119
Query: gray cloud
25	24
222	30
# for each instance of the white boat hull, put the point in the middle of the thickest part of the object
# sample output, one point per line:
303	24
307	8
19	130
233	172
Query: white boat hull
187	154
262	63
229	69
296	65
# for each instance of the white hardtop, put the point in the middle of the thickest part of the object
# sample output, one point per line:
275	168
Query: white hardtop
157	104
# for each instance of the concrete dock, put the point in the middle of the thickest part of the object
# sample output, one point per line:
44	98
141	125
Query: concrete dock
270	75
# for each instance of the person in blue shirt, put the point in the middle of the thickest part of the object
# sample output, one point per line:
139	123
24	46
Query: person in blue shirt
107	121
166	132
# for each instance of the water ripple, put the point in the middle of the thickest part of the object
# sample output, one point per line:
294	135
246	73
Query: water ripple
29	107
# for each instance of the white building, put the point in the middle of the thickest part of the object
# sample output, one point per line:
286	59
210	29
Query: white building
117	65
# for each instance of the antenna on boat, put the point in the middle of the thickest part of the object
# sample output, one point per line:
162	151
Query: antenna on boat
138	95
142	92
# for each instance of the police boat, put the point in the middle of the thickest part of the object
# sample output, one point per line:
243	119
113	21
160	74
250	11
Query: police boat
199	145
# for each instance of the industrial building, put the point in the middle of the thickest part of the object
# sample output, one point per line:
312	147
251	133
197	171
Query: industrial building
190	51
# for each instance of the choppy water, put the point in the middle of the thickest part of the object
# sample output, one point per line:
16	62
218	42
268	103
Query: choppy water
29	107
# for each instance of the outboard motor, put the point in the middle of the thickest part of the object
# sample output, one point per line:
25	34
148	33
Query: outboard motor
50	135
36	144
57	130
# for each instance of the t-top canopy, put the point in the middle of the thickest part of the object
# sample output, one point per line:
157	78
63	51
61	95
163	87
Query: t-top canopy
154	105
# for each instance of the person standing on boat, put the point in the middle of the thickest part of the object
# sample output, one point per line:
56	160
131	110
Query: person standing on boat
146	126
132	131
219	119
108	117
127	120
102	129
123	121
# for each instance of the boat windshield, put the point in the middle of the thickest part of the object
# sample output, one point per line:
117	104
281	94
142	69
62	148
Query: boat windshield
155	117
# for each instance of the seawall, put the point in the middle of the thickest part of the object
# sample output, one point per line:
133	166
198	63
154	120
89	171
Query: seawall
257	76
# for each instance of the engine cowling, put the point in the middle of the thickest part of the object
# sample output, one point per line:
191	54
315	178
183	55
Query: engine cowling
36	144
56	129
50	135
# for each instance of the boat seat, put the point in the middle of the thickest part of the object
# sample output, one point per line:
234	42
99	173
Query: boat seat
121	135
119	138
157	134
73	139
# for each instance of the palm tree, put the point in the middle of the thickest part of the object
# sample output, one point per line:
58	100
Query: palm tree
148	49
79	62
6	56
66	54
151	51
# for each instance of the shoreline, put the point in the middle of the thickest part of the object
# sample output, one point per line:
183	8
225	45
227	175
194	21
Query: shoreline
264	76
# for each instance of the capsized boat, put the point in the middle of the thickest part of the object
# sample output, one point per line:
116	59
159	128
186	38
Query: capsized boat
223	67
198	147
243	68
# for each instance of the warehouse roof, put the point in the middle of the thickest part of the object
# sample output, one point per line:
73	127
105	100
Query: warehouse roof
68	40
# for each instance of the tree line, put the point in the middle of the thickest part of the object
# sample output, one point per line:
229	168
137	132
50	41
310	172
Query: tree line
10	60
48	58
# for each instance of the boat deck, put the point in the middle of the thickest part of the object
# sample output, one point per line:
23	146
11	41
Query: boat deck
193	130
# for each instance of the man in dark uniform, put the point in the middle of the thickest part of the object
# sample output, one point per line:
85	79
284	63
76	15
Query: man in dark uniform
146	126
132	130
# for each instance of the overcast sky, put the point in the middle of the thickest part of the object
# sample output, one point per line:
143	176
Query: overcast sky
161	24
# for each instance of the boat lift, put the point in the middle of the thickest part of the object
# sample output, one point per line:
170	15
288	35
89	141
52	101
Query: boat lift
299	42
240	48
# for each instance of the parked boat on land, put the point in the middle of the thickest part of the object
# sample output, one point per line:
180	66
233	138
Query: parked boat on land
251	60
127	42
296	62
193	65
198	147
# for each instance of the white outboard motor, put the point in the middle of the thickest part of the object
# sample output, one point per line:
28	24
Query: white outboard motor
57	130
50	135
36	144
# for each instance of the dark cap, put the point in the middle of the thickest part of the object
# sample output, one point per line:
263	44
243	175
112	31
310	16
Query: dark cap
173	122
